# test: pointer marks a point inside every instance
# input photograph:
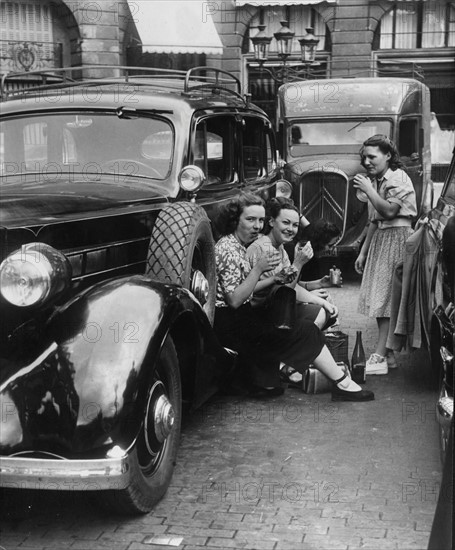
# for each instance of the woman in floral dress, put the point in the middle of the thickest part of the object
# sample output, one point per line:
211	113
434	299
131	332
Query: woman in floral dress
247	330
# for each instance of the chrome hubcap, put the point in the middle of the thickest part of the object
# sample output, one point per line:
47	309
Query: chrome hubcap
200	287
164	418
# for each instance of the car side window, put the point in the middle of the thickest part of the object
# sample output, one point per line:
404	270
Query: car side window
258	159
213	149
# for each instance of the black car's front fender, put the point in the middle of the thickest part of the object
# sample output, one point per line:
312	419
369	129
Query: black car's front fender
87	388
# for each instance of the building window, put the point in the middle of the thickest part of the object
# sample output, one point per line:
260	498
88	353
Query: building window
427	24
27	36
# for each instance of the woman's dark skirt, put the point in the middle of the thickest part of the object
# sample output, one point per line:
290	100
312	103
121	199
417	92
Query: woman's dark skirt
262	347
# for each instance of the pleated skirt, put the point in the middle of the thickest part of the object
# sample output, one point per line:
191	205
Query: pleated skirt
386	251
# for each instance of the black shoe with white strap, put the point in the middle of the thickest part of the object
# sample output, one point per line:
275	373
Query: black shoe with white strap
339	394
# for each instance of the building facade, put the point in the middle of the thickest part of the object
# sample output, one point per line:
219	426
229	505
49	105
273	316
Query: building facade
411	38
45	34
406	38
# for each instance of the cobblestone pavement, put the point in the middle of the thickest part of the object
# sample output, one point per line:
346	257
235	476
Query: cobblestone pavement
295	472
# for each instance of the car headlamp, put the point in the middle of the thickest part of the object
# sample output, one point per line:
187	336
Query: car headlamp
283	189
191	178
33	274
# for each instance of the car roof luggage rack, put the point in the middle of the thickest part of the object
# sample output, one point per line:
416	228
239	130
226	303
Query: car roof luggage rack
209	79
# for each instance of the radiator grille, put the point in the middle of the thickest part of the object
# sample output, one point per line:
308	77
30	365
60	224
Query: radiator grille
323	194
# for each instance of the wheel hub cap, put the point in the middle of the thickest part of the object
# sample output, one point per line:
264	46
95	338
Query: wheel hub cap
200	287
163	417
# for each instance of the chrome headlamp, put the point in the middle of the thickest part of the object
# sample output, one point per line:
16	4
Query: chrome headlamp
191	178
283	189
33	274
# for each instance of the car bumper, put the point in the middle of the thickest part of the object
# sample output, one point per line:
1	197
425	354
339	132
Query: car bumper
64	475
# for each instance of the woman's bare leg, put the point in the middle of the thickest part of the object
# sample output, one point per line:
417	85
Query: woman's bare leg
327	365
383	326
321	318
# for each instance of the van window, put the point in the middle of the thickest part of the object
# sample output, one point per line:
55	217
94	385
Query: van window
330	133
408	137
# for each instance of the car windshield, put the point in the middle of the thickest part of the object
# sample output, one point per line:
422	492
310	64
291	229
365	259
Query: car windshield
334	132
88	144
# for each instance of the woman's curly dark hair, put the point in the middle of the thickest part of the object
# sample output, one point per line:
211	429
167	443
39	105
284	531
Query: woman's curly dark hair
229	214
319	233
273	208
385	145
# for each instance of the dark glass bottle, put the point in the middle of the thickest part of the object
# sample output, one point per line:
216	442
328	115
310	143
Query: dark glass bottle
358	361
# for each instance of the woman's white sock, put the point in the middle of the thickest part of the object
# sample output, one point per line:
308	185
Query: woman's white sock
348	385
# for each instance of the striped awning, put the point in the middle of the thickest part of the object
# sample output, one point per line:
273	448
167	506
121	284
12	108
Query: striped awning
282	2
177	26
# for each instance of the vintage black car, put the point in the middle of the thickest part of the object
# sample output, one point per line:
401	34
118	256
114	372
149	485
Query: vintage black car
108	189
438	264
425	311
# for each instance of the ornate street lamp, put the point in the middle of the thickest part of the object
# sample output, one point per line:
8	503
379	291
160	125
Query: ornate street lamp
284	38
308	45
261	44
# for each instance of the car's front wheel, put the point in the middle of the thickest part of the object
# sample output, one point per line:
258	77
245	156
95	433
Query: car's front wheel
153	456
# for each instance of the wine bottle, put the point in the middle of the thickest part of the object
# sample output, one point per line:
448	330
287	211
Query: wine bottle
358	361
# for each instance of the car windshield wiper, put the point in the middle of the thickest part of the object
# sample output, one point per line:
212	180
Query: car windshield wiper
358	124
130	112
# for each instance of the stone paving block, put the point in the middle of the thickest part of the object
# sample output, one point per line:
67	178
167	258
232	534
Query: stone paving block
377	544
100	545
372	532
374	505
355	523
183	530
410	536
37	543
400	544
286	545
108	538
327	542
246	541
191	540
142	546
187	522
225	545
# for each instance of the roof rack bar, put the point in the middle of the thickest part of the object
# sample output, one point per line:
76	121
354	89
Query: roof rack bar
212	79
216	78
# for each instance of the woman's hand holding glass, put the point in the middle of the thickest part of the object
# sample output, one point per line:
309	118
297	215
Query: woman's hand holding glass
267	262
363	186
303	253
286	276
